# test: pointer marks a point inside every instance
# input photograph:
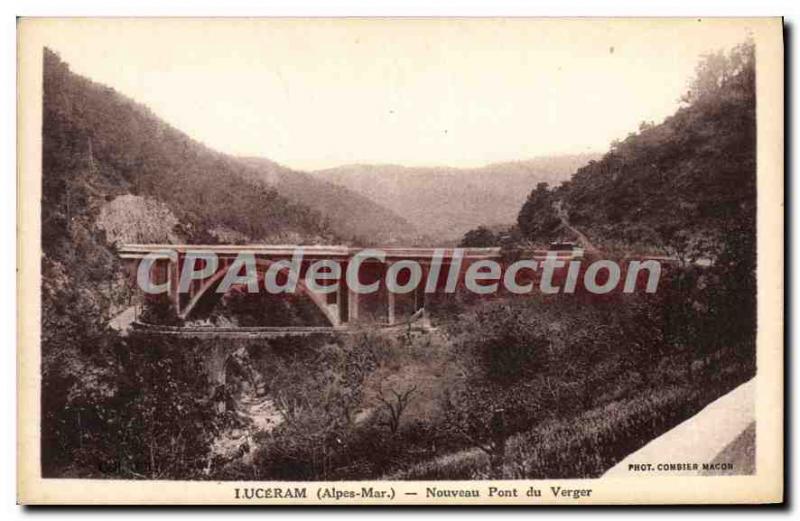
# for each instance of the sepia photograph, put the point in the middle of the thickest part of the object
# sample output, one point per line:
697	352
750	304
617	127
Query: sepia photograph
400	260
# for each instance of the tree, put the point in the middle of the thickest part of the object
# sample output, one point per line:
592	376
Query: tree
480	237
717	70
538	220
394	406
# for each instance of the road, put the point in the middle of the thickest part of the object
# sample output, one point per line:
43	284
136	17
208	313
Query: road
723	432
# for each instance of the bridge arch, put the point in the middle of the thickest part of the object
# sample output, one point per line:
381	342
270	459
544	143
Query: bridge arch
209	288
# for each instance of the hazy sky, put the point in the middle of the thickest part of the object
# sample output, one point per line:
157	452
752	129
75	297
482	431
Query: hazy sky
316	94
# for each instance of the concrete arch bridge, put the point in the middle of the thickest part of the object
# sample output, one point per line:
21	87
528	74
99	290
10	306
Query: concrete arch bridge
340	307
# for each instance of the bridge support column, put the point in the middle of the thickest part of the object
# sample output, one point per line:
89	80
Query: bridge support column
215	365
352	305
172	277
343	303
390	306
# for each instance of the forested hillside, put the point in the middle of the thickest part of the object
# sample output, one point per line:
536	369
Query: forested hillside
99	144
445	202
686	185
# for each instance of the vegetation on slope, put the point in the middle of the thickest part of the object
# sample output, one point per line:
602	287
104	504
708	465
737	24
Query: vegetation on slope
99	144
686	184
541	388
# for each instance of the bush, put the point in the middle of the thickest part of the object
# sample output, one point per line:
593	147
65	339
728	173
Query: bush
147	416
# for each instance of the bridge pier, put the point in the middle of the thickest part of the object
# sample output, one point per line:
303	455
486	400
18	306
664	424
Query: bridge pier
173	279
215	365
390	305
352	305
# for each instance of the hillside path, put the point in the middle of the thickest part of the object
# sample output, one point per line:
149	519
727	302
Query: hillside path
584	241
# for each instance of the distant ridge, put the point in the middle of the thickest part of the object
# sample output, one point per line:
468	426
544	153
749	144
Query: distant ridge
445	202
354	216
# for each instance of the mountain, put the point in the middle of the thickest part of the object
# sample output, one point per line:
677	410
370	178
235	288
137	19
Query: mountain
99	145
444	202
355	217
687	184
